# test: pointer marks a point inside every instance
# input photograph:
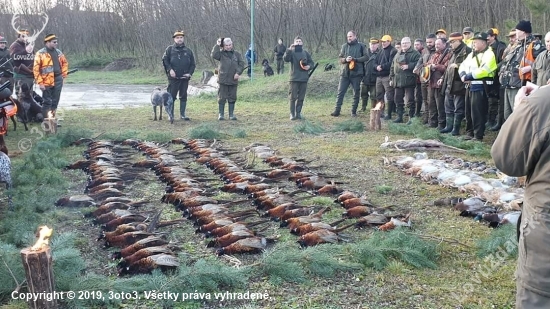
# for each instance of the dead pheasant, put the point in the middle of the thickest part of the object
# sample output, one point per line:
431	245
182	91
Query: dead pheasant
143	253
76	201
150	263
310	227
228	239
151	241
247	245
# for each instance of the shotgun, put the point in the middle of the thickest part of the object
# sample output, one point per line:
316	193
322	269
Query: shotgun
312	70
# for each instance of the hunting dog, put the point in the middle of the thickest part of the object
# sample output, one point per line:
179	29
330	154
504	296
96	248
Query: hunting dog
28	109
162	98
268	70
329	67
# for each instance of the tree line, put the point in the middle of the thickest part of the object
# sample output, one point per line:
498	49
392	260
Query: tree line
143	28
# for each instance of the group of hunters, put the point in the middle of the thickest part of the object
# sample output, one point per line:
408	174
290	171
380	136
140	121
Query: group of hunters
442	79
47	68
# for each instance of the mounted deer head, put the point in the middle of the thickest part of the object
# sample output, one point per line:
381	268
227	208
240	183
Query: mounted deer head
29	36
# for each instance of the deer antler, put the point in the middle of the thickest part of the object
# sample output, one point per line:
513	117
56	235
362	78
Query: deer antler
32	38
14	21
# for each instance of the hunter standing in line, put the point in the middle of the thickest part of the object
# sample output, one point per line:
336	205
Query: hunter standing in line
478	70
368	84
22	54
300	63
230	69
279	51
352	57
50	69
179	65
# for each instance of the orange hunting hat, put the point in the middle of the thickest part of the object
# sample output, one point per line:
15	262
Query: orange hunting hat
441	30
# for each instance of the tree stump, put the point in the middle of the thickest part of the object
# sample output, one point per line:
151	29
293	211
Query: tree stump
49	125
375	122
39	273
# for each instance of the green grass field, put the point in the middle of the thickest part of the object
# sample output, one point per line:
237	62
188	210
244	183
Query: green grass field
461	278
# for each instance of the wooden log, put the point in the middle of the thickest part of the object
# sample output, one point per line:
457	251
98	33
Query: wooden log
39	273
49	125
375	122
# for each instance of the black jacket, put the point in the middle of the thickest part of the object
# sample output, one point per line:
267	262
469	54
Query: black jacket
370	68
180	59
384	59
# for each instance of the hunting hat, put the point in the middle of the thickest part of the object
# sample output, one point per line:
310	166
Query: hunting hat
374	40
21	32
178	33
386	38
49	37
3	39
492	32
441	31
480	36
467	30
512	33
525	26
456	36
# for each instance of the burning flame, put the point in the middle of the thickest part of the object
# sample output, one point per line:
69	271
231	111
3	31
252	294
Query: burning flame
44	234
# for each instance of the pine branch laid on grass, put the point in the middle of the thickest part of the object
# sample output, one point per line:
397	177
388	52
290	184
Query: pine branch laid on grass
309	127
205	131
381	247
353	126
502	238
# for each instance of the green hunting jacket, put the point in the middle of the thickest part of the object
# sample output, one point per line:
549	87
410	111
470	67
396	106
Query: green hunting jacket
297	74
358	52
404	78
231	63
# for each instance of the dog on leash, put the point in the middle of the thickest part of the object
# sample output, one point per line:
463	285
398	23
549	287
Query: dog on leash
162	98
268	70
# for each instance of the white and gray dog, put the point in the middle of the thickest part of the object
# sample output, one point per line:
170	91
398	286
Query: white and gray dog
162	98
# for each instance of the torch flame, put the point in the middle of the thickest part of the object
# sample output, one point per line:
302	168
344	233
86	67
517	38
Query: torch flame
44	234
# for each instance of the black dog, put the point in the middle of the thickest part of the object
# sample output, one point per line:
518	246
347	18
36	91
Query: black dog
268	71
329	66
29	109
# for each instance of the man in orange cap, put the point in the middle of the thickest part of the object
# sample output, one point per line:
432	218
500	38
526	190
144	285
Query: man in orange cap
441	34
383	64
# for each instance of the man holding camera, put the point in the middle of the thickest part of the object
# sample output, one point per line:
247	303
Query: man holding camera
229	70
300	63
179	65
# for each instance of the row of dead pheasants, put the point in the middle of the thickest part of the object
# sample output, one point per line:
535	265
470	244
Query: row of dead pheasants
142	249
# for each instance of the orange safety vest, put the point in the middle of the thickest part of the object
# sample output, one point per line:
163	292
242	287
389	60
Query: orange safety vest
527	60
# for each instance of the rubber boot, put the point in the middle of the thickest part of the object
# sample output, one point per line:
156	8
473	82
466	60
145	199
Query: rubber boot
391	109
456	126
400	111
449	127
364	104
354	110
183	106
221	108
292	110
231	110
299	109
412	110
